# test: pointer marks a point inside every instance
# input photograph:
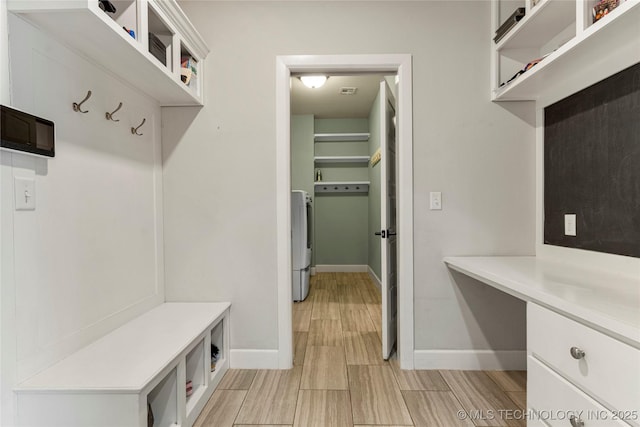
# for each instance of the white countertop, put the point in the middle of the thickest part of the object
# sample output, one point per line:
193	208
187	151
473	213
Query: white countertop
604	300
128	358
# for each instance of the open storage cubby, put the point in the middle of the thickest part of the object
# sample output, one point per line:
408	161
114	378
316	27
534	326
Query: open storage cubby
189	69
163	400
195	369
150	61
217	339
125	15
562	37
160	38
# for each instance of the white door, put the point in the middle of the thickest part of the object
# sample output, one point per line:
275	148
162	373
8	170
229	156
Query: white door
388	239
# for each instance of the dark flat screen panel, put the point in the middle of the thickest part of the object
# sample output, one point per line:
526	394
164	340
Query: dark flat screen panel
592	166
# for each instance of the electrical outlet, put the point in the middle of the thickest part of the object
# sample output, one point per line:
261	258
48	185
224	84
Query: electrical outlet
570	225
435	201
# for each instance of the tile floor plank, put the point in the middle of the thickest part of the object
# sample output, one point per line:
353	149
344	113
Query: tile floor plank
363	348
375	396
519	398
325	332
324	369
435	408
271	398
418	380
301	319
299	347
357	320
509	380
477	392
325	310
221	409
237	379
323	408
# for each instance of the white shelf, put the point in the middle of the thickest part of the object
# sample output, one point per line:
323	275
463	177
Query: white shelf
612	41
342	187
84	27
540	25
340	137
341	159
604	300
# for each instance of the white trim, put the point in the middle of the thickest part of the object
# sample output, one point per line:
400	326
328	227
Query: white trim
341	268
313	271
375	278
254	359
471	359
399	64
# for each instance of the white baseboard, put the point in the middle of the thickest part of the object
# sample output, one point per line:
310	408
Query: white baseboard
254	359
340	268
376	279
471	359
313	271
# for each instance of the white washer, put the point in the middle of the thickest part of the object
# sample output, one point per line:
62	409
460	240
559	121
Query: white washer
300	243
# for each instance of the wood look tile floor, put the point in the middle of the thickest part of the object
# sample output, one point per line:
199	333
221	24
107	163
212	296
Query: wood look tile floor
340	380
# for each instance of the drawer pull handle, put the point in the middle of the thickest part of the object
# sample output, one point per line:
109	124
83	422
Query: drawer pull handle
575	421
577	353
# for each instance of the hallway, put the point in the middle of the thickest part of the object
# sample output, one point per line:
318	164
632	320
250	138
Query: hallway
340	379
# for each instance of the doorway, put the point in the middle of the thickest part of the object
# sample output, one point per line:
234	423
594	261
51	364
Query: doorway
399	65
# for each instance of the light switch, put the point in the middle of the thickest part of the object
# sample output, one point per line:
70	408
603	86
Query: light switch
435	200
570	224
25	193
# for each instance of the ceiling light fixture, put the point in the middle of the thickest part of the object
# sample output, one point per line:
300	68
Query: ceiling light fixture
313	82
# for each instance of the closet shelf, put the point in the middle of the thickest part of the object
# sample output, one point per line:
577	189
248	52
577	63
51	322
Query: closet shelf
84	27
341	159
340	137
342	187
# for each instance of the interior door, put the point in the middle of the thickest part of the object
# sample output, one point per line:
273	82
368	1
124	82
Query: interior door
388	220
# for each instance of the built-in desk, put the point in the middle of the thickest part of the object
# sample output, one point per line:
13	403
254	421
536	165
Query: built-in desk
583	338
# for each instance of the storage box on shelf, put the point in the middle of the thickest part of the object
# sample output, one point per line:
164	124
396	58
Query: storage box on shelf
562	32
135	373
129	42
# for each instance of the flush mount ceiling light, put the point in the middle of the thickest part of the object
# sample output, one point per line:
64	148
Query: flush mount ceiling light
313	82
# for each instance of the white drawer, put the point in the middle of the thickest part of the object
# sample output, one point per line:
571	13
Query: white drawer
554	400
610	369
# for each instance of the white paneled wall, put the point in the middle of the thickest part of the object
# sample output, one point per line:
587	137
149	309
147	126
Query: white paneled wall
90	256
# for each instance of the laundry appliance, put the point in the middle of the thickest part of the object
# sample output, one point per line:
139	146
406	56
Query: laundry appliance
301	243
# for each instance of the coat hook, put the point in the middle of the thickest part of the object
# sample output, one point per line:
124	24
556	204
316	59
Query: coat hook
109	116
135	130
77	106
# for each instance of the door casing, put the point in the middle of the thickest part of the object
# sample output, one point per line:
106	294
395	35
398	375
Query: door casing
399	64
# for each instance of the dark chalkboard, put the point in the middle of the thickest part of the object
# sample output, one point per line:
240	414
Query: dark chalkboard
592	166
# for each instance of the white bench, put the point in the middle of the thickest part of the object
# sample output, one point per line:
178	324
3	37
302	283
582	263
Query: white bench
145	362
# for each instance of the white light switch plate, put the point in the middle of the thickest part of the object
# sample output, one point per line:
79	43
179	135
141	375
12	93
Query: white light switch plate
25	193
570	224
435	200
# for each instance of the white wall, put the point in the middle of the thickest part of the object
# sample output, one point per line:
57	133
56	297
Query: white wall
89	257
219	173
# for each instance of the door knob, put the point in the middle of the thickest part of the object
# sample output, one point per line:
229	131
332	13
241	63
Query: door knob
577	353
575	421
391	233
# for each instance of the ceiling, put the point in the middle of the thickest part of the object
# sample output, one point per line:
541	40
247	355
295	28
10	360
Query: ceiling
327	102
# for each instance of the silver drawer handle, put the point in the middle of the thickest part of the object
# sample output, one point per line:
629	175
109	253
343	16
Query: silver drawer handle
577	353
575	421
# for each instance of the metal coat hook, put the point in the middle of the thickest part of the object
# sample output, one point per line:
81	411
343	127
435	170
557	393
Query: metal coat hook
135	130
77	106
109	116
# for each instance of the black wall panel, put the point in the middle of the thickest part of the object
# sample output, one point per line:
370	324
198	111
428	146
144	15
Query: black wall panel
592	166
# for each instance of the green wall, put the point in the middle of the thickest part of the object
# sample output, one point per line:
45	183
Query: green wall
373	207
302	153
341	219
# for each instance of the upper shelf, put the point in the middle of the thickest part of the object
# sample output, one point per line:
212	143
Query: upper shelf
340	137
540	25
341	159
83	26
613	41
